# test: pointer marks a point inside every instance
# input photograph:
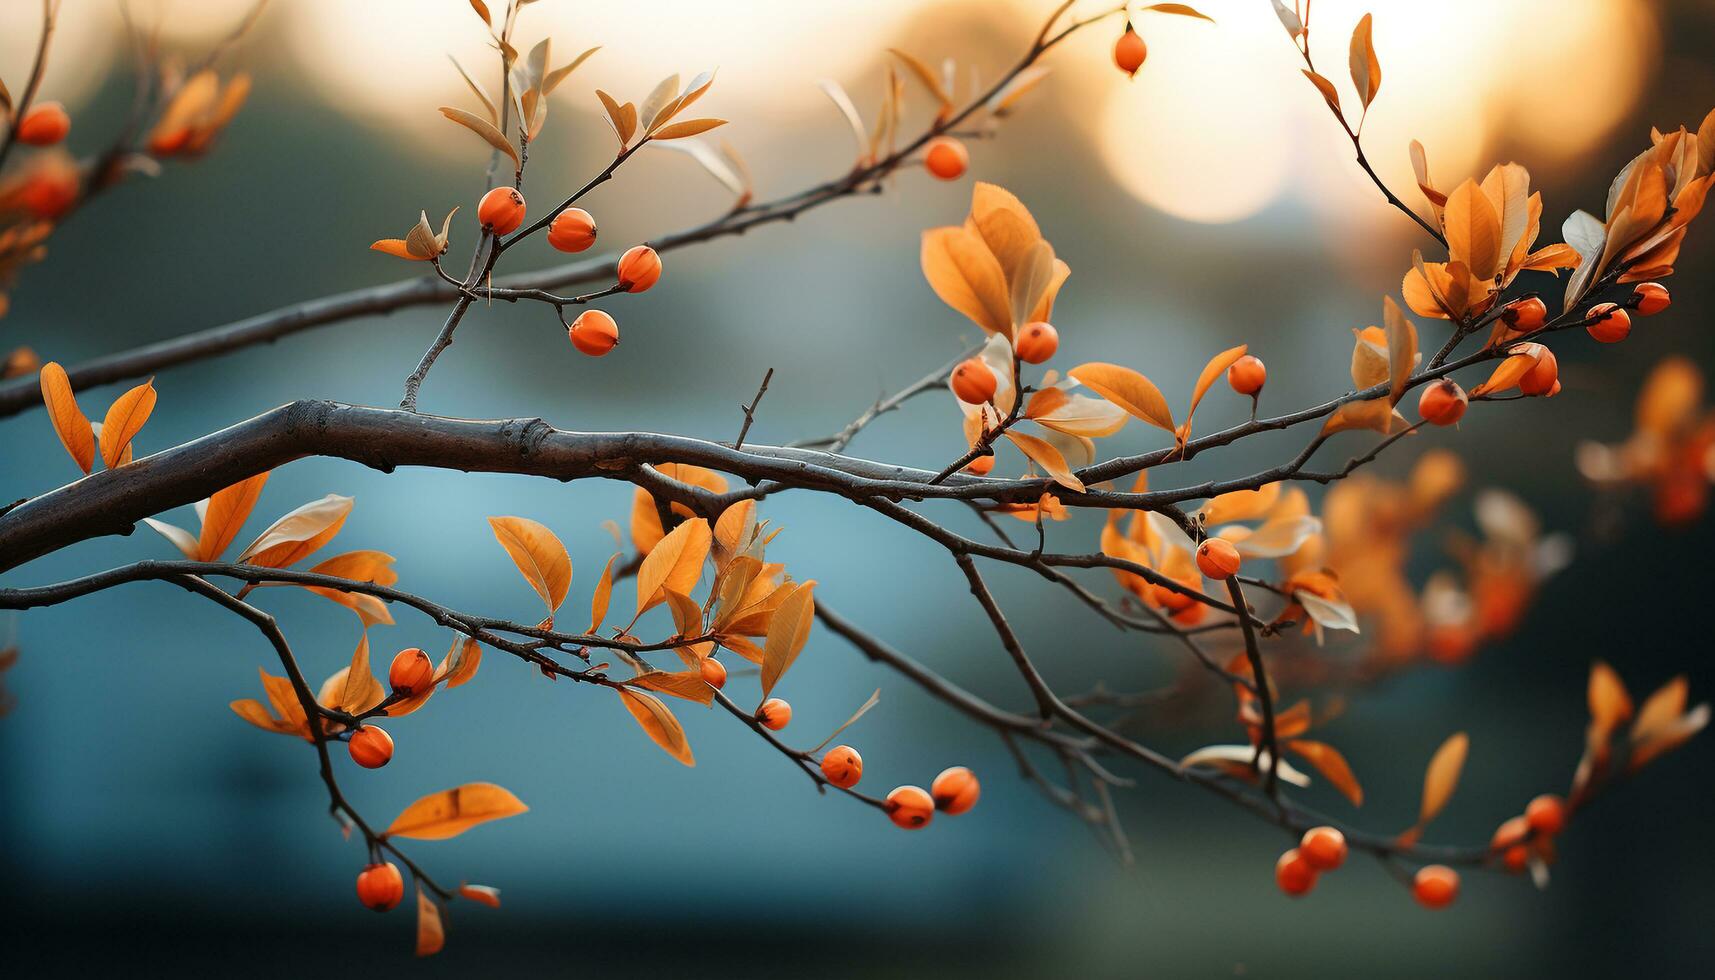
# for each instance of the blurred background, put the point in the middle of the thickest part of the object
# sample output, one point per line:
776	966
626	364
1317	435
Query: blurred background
1207	203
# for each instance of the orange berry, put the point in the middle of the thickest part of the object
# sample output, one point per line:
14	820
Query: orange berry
1546	814
379	886
1544	378
1608	323
1294	874
1652	298
946	158
714	673
955	791
909	807
974	382
593	333
981	466
45	124
50	192
1436	886
1037	342
1442	402
1323	848
370	747
411	672
1217	558
774	714
572	230
501	210
1526	314
1247	375
842	766
639	268
1129	52
1509	843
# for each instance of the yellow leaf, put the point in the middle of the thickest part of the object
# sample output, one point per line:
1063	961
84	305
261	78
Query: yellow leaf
1442	776
1127	389
676	563
788	631
1043	454
299	533
431	936
226	513
658	723
453	811
482	128
69	422
538	554
1332	765
966	275
125	417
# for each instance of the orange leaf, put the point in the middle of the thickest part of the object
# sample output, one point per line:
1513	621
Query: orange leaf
1043	454
124	419
538	554
1330	94
967	276
70	424
1442	776
453	811
1213	370
687	684
676	563
299	533
788	631
1127	389
658	723
485	894
397	248
431	935
603	595
1366	68
225	514
1331	764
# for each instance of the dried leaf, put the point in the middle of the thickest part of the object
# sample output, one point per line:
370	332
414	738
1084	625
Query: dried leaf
1330	94
453	811
538	554
299	533
927	76
874	699
180	538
